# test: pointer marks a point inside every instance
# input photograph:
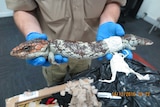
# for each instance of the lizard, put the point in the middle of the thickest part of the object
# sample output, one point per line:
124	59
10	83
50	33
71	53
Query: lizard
118	64
77	49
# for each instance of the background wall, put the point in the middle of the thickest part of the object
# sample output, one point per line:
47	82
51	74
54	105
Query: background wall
4	12
151	8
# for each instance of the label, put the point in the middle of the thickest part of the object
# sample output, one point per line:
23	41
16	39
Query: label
28	95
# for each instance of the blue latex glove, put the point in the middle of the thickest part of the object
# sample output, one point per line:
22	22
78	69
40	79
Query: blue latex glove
111	29
41	61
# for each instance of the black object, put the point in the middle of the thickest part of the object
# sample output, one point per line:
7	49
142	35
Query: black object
131	8
147	91
62	100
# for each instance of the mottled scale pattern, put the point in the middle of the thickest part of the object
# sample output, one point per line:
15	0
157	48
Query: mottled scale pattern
27	48
136	40
73	49
79	50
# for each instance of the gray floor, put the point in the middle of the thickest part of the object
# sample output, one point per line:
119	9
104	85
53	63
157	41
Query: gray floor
16	76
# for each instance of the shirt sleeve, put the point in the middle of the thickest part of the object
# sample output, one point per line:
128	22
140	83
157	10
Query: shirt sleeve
121	2
25	5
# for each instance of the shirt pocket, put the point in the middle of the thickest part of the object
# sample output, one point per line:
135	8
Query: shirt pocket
53	10
94	8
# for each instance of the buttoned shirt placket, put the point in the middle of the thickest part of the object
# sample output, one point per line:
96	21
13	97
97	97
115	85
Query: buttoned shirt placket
78	16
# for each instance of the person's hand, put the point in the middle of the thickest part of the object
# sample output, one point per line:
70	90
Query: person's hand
42	61
108	29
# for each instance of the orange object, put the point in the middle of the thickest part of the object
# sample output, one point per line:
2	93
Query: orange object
143	61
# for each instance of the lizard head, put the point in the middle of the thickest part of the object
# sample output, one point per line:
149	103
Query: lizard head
31	49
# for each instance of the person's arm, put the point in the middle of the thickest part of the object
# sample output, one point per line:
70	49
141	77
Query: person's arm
26	22
30	27
109	26
111	13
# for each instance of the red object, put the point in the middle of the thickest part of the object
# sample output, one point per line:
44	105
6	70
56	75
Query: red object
50	101
143	61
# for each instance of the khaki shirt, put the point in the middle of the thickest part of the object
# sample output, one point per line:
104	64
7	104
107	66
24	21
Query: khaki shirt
66	19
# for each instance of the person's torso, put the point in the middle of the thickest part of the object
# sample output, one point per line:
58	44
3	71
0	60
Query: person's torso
70	19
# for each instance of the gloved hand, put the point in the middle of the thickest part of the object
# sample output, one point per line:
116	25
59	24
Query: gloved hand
41	61
112	29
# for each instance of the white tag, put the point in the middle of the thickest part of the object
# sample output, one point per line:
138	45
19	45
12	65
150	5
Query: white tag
107	95
28	95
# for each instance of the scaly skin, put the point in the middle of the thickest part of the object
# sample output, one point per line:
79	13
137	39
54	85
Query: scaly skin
74	49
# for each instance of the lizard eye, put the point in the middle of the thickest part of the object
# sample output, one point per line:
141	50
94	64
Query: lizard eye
26	48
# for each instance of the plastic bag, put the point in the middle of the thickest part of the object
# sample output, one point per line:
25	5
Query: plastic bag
133	92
